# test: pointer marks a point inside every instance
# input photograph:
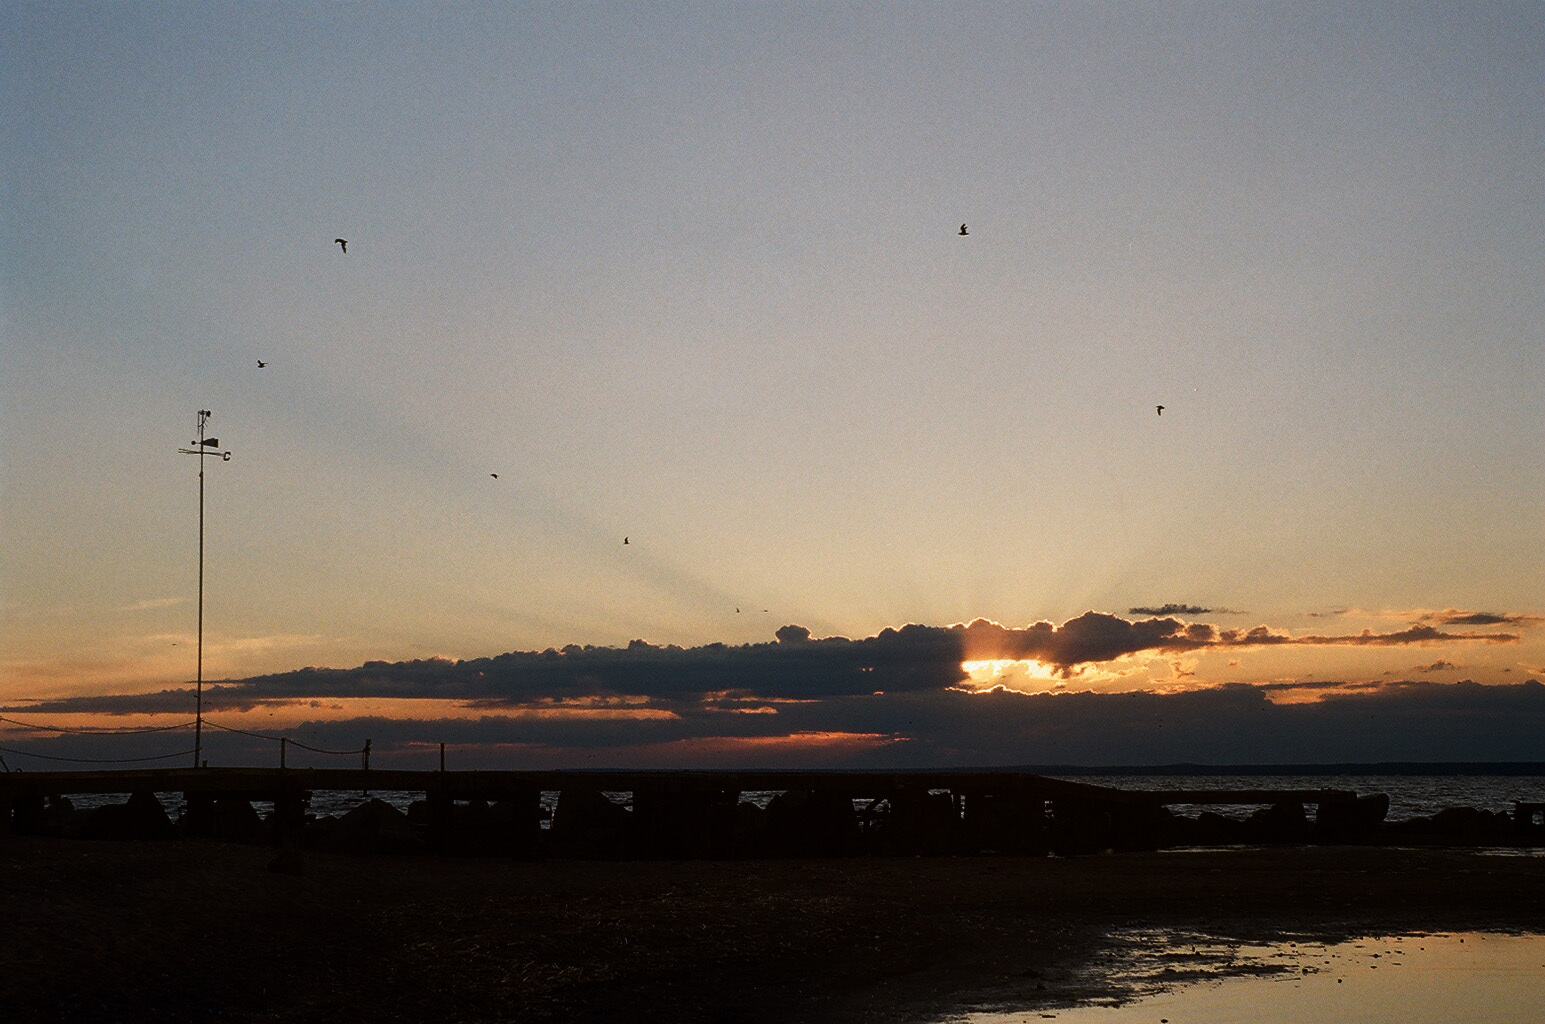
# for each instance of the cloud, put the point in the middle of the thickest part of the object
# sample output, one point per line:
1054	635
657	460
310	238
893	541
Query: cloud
1098	637
1446	617
1455	617
921	726
1183	609
152	603
1231	724
1441	665
795	666
1089	638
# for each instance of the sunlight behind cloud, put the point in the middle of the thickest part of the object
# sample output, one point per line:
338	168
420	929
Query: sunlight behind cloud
1028	676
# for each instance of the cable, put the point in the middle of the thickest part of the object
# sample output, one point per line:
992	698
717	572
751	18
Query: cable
319	750
97	760
216	725
91	731
276	739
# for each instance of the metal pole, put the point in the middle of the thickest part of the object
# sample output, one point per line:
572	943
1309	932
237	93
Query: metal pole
198	720
202	449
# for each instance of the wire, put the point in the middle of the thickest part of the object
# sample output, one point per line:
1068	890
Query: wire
97	760
277	739
227	728
319	750
152	729
91	731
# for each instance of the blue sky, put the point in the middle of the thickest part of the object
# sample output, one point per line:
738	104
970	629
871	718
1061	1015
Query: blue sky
691	275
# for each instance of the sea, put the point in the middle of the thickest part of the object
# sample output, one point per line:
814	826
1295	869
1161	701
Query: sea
1413	790
1411	795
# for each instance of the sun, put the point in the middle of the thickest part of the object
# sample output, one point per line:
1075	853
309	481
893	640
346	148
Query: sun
1020	676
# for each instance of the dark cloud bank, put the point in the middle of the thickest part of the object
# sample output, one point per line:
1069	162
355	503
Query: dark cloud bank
895	695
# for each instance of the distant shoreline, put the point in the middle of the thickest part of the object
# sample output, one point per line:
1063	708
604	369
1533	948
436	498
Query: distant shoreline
1498	768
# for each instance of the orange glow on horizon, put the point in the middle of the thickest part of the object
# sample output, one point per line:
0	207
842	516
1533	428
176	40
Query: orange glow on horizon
280	715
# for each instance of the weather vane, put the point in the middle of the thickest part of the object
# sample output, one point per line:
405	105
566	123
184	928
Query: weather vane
203	448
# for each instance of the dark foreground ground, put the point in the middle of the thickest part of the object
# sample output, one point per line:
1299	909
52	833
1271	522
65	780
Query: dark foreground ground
203	931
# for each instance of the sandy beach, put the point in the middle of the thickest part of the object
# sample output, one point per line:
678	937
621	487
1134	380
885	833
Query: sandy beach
184	931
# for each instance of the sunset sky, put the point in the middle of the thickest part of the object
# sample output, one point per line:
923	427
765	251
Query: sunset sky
692	275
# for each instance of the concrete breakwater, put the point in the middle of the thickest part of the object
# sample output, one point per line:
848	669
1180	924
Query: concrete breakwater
702	814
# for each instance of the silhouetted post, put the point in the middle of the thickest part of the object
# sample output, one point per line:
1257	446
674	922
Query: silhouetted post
202	448
442	757
283	741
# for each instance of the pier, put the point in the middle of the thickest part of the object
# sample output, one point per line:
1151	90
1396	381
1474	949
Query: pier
689	814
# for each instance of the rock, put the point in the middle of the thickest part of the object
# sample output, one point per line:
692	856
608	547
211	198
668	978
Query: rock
1214	829
587	824
373	827
684	823
142	817
1471	825
235	821
918	823
1350	821
62	818
1281	823
1006	823
750	830
1143	827
812	823
1081	826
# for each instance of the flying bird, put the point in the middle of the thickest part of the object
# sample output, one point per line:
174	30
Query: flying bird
343	243
494	475
963	230
624	540
261	364
1160	409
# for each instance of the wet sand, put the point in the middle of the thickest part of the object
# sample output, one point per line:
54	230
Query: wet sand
187	931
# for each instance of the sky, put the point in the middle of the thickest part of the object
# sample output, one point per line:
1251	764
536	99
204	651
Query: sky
657	347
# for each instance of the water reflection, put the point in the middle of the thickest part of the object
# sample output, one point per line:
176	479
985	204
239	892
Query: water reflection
1413	979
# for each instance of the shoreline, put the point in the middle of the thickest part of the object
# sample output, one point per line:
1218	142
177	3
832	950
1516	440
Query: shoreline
153	931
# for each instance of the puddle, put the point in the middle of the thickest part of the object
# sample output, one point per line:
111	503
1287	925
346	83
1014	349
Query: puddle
1413	979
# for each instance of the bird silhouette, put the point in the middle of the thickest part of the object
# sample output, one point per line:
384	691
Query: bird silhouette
624	540
343	243
1160	409
494	475
963	230
261	364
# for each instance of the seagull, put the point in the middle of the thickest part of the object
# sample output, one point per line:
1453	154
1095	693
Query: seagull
261	364
343	243
963	230
494	475
1160	409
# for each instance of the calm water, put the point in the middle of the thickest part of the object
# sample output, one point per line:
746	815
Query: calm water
1410	795
1471	978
